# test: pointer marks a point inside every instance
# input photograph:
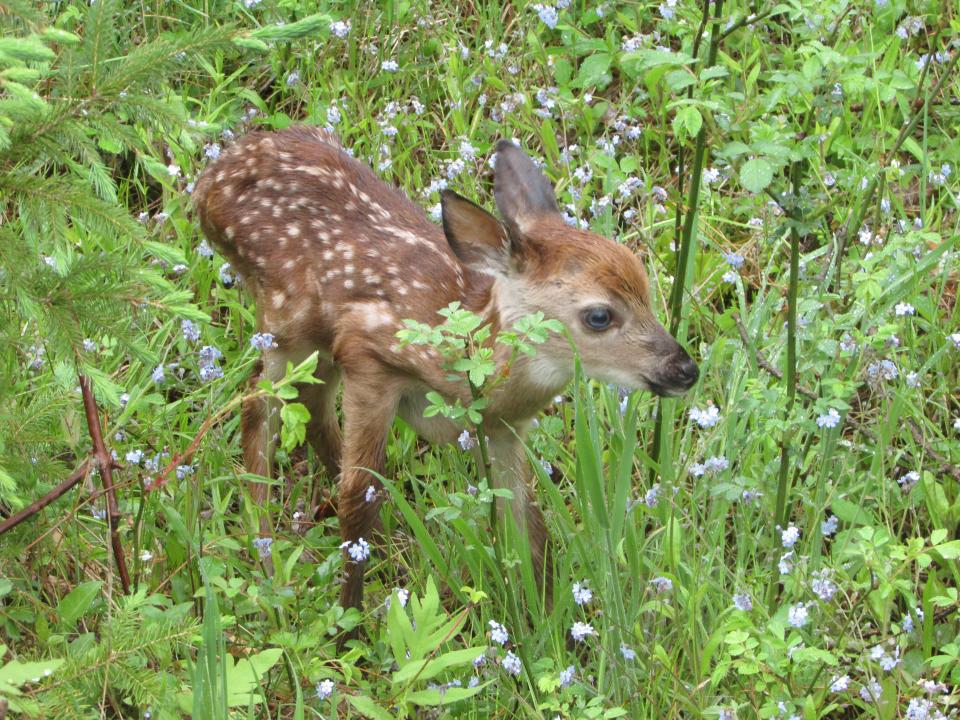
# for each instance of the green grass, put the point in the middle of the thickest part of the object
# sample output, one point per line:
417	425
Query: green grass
790	163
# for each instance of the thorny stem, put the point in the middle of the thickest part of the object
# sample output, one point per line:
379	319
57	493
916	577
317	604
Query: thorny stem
39	504
105	464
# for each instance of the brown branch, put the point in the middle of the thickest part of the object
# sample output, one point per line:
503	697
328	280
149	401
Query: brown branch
106	465
946	466
37	505
194	445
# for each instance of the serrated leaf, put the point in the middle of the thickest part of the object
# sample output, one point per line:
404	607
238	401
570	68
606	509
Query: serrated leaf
756	175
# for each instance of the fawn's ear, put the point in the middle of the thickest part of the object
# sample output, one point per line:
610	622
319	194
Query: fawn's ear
476	236
523	193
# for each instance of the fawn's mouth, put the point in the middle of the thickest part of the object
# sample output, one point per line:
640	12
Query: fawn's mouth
666	390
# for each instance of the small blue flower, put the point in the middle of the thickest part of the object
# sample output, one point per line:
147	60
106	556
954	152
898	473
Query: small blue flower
263	341
191	332
582	594
548	15
580	631
157	375
829	526
566	676
358	551
830	420
798	615
210	372
226	275
511	663
262	544
652	496
498	633
790	536
324	689
466	440
209	355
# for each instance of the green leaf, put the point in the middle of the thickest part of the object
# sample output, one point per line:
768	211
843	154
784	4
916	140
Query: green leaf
678	80
594	72
313	25
950	550
15	673
435	696
756	175
368	708
431	667
851	512
243	678
77	602
687	122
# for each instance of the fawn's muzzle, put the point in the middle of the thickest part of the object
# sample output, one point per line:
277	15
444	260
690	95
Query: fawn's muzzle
676	375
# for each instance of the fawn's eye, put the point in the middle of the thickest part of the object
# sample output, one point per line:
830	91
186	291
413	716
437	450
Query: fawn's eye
597	318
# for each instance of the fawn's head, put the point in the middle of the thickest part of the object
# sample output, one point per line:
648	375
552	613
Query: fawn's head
597	288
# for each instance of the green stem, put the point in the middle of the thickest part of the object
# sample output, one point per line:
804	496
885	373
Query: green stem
686	231
696	174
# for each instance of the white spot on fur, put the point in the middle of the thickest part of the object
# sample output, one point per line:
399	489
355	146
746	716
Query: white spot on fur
374	315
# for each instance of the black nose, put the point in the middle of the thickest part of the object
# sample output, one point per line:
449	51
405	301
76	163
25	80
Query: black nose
687	370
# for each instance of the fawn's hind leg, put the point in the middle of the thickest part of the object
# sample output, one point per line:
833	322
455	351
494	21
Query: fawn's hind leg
370	402
323	430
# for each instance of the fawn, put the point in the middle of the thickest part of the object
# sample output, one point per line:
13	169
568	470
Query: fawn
336	259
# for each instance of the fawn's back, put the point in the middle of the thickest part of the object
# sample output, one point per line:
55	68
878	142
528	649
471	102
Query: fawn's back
322	243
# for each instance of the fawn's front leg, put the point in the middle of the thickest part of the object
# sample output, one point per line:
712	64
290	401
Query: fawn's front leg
369	405
511	469
259	423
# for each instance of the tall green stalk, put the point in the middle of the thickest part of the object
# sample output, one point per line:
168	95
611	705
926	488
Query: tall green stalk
687	239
